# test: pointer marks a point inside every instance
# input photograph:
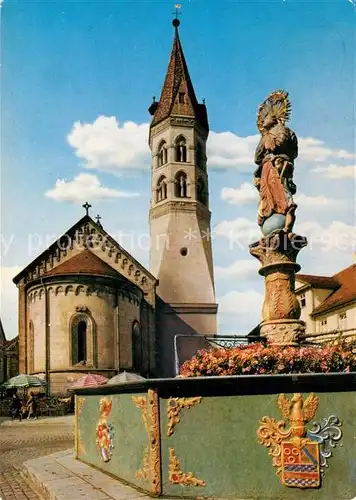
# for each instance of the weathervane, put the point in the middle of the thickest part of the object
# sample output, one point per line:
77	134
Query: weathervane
86	206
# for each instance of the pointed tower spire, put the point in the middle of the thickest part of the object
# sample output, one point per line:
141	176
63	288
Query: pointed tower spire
180	233
178	96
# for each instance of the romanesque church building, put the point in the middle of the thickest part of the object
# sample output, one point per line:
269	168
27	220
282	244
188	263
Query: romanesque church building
87	306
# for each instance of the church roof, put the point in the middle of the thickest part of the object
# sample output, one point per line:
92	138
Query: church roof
177	82
70	234
85	262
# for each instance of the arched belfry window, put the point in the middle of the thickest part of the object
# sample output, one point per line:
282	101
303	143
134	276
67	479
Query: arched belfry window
136	347
31	347
181	149
201	194
162	156
161	190
83	340
180	185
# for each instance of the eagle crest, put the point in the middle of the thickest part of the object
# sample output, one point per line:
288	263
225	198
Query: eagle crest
296	408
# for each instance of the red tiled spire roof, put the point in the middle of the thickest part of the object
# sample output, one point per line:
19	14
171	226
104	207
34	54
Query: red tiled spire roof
85	262
177	82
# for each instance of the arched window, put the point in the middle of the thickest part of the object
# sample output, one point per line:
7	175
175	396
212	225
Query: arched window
83	340
181	150
136	347
31	347
201	195
161	190
199	155
162	157
180	185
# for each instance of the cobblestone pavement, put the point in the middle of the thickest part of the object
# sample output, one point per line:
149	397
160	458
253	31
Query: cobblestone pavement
21	441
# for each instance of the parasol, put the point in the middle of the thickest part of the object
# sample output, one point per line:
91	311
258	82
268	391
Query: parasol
90	380
124	377
23	381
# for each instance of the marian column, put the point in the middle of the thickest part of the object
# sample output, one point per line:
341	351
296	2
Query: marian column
277	250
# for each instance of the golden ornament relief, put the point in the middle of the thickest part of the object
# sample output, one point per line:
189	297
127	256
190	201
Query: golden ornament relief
176	476
151	461
174	407
78	445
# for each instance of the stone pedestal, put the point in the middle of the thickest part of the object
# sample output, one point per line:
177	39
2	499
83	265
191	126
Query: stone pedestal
281	310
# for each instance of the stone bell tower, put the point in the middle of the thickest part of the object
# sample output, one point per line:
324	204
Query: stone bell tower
181	253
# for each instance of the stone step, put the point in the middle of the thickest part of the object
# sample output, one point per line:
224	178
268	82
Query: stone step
61	477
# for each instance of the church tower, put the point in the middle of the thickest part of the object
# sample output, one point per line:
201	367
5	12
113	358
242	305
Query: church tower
181	253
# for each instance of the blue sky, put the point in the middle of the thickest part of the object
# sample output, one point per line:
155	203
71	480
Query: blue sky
97	64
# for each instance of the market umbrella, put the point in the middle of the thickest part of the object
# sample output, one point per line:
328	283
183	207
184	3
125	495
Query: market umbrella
23	381
90	380
124	377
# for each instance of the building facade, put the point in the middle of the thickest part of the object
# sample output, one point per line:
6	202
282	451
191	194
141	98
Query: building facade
328	304
9	356
87	306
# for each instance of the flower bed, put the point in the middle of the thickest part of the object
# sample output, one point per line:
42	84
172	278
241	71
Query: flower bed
258	358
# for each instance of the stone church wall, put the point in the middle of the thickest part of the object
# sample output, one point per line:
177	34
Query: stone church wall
129	311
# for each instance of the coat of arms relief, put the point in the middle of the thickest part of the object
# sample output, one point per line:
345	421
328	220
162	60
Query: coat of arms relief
299	454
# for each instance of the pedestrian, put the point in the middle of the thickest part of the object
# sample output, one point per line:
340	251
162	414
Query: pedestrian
32	406
16	407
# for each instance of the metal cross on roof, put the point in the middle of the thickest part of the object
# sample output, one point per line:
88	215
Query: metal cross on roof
177	6
97	220
86	206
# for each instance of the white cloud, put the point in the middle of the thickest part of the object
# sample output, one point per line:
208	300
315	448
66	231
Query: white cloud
226	149
337	172
316	202
338	236
242	304
240	232
314	150
242	269
243	195
85	187
108	145
8	300
248	194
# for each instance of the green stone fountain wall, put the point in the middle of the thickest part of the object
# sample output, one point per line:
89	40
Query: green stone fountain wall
198	437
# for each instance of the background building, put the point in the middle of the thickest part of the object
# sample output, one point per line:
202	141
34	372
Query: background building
328	303
9	356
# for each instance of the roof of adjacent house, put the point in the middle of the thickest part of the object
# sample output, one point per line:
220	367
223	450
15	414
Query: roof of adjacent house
318	281
85	262
178	81
341	284
8	345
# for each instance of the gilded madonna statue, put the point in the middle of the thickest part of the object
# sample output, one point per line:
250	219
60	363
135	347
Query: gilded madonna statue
275	155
